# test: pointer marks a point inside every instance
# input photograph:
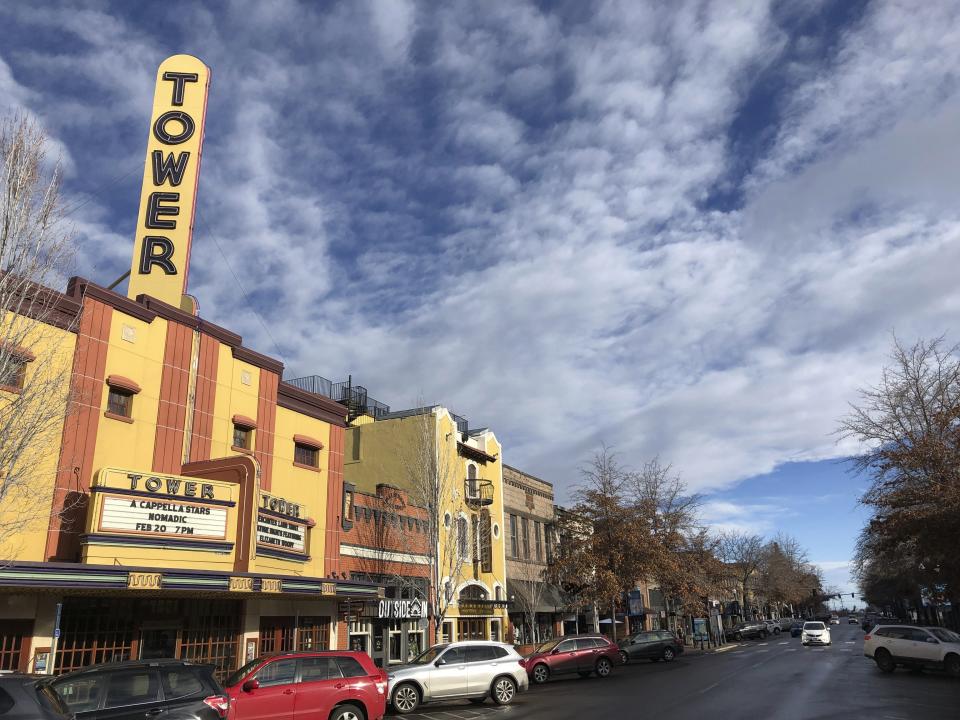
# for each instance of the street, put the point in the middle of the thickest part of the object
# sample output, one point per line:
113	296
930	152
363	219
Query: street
776	679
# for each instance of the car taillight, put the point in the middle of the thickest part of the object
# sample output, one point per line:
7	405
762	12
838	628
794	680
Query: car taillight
220	703
382	682
866	637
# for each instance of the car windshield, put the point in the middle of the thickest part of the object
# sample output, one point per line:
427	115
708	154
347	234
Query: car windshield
428	655
945	635
241	673
813	626
548	645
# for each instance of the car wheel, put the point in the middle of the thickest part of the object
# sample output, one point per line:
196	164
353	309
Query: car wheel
541	673
406	698
503	691
347	712
624	658
668	654
884	661
776	631
951	663
738	637
603	667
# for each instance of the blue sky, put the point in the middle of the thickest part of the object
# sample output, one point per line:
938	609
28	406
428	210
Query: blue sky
683	229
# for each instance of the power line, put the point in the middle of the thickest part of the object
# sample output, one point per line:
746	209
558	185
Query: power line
98	191
246	297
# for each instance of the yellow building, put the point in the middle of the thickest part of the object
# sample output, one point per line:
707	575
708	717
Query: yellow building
189	502
428	451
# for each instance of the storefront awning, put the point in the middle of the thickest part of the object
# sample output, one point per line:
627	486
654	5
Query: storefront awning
550	599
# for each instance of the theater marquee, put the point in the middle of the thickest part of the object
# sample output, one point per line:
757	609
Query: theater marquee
161	254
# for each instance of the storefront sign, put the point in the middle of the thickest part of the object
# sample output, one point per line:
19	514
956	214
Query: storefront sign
328	588
401	609
281	506
281	534
162	517
144	581
161	254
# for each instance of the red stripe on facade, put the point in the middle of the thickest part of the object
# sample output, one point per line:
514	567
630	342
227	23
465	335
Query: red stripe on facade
172	409
79	437
331	561
266	426
204	402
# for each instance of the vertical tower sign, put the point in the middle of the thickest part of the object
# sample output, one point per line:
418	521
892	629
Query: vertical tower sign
161	253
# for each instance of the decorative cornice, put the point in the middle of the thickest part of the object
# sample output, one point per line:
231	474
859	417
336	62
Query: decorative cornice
310	404
124	383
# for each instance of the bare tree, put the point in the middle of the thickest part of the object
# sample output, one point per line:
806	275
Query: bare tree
743	553
35	355
907	426
529	578
436	484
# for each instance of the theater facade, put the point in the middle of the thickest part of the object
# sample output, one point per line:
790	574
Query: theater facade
190	503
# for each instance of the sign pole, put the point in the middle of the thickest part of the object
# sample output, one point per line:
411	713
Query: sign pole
56	639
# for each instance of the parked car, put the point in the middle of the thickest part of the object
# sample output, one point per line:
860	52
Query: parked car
913	646
750	629
581	654
26	697
796	629
852	620
773	626
472	669
339	685
135	689
651	645
815	632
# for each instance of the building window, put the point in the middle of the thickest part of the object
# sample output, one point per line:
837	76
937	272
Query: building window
548	541
241	437
120	394
472	481
446	520
498	593
13	373
514	552
525	537
306	455
463	538
537	541
120	402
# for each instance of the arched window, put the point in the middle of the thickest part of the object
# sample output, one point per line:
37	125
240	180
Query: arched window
463	538
498	593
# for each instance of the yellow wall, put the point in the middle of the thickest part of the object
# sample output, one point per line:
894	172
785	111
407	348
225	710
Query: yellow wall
307	487
381	452
233	397
139	358
25	512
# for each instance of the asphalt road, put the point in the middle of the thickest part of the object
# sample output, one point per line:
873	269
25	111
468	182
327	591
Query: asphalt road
776	679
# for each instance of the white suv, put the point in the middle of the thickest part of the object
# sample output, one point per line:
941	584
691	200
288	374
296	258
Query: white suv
913	646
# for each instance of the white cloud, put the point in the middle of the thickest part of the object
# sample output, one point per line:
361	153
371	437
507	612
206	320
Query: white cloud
502	210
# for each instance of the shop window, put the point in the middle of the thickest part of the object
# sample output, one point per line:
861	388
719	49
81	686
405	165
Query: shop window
12	634
395	637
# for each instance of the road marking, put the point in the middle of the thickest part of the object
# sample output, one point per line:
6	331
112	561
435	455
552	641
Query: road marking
760	651
850	642
790	650
764	644
725	648
737	652
757	665
783	643
707	689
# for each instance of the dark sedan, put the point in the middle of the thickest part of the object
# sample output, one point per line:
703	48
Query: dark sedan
650	645
747	630
796	629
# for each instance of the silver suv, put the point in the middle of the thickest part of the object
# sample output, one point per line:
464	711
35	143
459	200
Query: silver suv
913	646
474	670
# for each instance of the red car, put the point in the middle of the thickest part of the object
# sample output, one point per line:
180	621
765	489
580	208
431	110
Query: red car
339	685
582	654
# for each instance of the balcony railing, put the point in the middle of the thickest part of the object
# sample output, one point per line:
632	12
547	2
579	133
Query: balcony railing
478	493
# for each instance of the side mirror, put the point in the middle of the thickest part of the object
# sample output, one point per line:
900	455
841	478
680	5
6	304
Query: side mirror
555	651
251	684
439	662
